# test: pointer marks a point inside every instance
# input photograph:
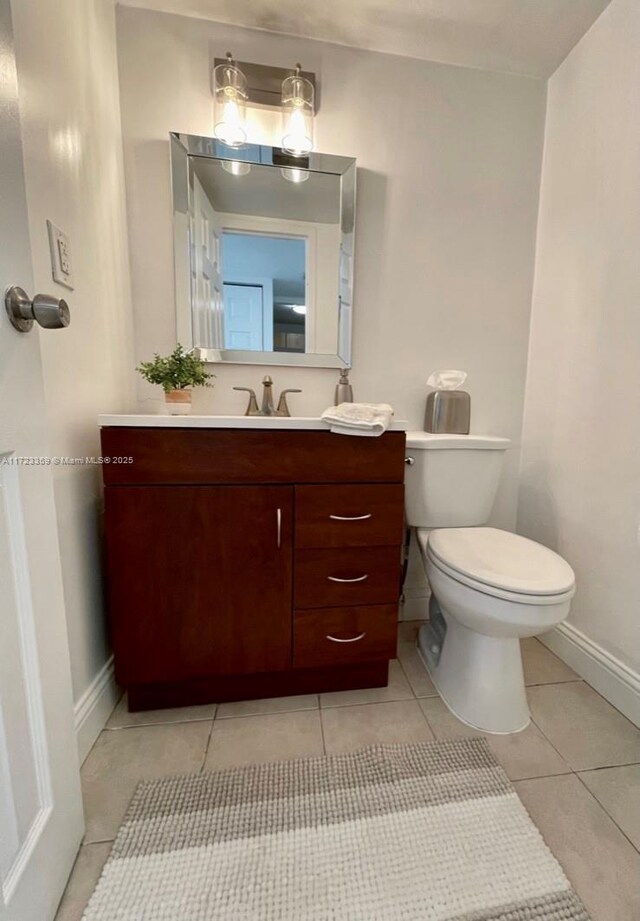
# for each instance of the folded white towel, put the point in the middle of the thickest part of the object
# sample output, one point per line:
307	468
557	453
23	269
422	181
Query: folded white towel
370	419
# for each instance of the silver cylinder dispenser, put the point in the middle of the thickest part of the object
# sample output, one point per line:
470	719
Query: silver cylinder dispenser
448	408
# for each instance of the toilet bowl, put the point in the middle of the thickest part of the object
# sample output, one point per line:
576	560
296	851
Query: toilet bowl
490	588
493	588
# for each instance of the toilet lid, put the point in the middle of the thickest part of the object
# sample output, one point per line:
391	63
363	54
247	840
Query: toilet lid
502	560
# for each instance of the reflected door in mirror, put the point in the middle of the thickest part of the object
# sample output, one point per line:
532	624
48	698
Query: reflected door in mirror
206	275
244	317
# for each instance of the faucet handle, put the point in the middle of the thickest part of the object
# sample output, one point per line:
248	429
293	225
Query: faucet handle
252	408
283	409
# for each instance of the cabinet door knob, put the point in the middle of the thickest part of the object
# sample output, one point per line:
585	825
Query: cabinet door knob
353	639
356	579
351	517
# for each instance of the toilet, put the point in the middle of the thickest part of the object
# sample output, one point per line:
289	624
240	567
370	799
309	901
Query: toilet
489	587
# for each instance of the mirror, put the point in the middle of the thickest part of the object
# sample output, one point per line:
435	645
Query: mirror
263	253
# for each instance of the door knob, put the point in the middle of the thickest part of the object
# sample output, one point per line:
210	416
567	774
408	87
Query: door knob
48	311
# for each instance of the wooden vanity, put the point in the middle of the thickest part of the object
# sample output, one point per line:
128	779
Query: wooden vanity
246	563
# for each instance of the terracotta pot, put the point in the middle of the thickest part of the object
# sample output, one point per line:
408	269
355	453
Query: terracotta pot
178	402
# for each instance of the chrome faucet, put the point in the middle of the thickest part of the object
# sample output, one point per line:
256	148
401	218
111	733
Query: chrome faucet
267	408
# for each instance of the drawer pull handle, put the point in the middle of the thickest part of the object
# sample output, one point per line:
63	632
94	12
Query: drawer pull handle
350	517
356	579
353	639
279	526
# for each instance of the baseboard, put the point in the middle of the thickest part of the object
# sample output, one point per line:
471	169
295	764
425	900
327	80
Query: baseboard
94	708
617	683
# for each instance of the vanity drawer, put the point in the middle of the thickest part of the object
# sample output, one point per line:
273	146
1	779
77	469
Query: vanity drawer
341	636
350	515
199	456
338	576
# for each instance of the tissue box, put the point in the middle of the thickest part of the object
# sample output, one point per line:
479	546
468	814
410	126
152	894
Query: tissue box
448	412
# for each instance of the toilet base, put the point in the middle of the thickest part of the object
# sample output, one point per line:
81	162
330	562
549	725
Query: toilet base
479	678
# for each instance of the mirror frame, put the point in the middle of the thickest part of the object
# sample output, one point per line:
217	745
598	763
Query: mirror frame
185	146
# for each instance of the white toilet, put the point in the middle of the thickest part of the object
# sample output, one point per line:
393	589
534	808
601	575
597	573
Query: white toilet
490	587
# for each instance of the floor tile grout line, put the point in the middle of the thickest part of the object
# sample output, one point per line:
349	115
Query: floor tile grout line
206	748
426	719
564	758
580	680
406	675
606	767
613	706
322	709
546	684
553	746
199	719
572	769
324	741
515	780
366	703
68	883
606	811
603	767
246	716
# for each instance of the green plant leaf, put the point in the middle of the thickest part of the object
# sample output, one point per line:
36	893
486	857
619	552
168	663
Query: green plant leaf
176	371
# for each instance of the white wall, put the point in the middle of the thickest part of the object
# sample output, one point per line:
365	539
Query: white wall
447	204
580	489
68	82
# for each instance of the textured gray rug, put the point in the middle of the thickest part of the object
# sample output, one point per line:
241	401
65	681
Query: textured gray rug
433	832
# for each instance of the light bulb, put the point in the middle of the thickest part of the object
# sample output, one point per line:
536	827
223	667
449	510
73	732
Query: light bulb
298	105
293	174
236	167
296	136
230	93
229	128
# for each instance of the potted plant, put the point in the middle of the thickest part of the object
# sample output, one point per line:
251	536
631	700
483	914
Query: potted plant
176	373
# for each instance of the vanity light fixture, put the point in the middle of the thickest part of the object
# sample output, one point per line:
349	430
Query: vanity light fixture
230	95
236	167
297	308
298	104
293	174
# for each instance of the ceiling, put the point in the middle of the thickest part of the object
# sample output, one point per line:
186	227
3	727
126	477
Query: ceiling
515	36
265	193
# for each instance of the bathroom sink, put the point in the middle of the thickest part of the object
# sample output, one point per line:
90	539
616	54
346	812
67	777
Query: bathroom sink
216	422
227	422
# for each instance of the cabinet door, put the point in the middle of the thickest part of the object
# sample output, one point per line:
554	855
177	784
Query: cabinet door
199	580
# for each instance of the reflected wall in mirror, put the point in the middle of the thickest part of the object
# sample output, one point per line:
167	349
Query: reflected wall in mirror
263	253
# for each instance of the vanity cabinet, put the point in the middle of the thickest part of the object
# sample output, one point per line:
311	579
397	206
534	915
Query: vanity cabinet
251	563
200	580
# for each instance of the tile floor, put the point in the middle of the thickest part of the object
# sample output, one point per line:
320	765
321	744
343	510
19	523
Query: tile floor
576	767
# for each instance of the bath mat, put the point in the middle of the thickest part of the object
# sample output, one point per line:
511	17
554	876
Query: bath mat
429	832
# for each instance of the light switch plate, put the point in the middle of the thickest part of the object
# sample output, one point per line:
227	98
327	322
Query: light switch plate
60	249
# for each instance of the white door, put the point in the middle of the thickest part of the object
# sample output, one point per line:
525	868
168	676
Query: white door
41	821
243	317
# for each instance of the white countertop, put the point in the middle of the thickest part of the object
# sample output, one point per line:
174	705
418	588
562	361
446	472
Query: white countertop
228	422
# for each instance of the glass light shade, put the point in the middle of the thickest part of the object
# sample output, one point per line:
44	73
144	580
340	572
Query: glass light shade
230	95
297	115
293	174
236	167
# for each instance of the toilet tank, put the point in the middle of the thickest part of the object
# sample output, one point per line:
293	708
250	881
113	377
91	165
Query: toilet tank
451	480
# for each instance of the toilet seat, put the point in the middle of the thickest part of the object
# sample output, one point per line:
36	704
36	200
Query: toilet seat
500	564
